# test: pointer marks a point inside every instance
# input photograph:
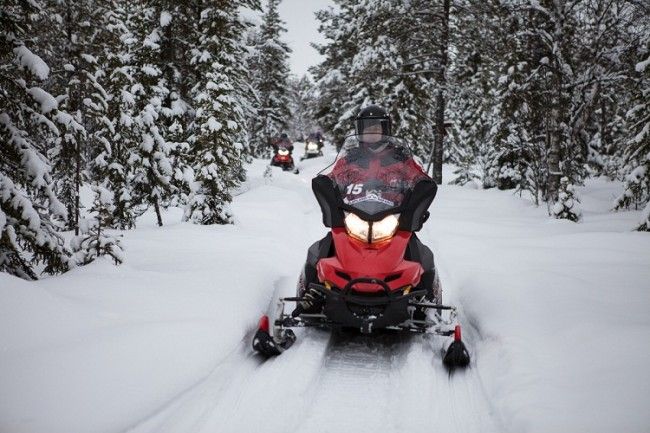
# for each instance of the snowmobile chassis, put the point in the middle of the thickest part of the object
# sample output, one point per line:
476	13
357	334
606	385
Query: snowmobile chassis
343	309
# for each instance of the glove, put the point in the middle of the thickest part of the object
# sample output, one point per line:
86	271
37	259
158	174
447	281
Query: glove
312	300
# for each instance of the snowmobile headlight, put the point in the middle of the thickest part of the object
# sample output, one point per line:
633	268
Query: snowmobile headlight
312	146
356	227
385	229
371	232
283	152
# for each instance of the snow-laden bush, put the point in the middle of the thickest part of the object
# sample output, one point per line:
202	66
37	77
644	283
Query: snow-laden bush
567	205
94	241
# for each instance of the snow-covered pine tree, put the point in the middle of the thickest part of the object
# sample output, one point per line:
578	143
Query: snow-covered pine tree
151	160
29	208
552	31
429	42
271	81
406	65
518	145
68	31
220	137
94	241
637	154
536	114
476	39
177	28
331	76
301	105
370	57
601	93
118	134
567	205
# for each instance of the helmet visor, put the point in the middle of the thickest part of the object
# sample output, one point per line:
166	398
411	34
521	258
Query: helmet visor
377	126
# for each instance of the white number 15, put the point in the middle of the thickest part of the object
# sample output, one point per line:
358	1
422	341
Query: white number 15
355	188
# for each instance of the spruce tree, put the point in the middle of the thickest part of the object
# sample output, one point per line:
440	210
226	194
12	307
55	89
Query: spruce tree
94	241
69	32
331	75
30	117
119	132
270	80
567	205
371	57
151	160
220	139
636	192
301	106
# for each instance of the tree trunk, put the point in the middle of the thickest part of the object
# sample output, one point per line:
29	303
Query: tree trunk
440	97
158	215
77	188
557	115
168	57
604	130
554	174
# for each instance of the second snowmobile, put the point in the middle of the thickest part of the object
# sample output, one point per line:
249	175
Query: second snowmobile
313	147
368	277
283	159
282	154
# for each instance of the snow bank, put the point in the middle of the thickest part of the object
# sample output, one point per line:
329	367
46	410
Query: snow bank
559	310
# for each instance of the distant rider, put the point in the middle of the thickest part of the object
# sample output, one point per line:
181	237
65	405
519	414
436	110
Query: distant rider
283	143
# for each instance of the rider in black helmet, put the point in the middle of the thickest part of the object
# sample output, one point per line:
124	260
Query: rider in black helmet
373	127
373	115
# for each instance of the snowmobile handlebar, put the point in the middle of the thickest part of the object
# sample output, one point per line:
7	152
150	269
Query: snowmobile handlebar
348	287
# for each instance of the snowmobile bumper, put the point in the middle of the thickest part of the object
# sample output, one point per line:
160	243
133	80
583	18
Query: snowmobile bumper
311	154
348	309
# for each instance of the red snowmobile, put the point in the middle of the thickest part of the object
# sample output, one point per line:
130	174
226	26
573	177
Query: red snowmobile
282	157
365	280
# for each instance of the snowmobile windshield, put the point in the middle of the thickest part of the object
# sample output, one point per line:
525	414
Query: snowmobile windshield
374	173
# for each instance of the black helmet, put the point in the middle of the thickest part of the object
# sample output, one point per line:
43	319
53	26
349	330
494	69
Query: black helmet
284	136
373	115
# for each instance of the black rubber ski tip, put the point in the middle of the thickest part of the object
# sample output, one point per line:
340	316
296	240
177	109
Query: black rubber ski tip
457	355
264	344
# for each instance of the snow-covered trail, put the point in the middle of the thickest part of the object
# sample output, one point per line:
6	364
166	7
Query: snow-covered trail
331	383
162	343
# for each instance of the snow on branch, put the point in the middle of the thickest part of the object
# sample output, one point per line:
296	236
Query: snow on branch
32	62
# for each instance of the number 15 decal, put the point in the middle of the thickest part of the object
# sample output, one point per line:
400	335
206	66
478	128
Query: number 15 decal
355	188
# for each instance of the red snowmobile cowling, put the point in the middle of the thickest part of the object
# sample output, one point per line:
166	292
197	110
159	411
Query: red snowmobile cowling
282	158
383	260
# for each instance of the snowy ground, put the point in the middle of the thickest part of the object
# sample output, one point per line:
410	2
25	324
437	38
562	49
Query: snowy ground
556	314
